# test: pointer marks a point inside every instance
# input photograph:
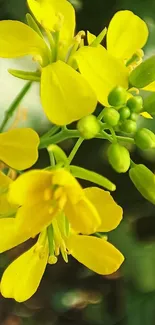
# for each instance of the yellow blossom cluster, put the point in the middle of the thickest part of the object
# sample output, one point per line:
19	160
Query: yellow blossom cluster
74	72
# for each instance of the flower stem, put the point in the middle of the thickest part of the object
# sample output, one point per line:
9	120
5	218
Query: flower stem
59	137
14	104
65	134
51	132
75	149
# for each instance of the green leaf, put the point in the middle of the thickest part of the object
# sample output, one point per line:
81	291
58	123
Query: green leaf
25	75
144	74
93	177
149	104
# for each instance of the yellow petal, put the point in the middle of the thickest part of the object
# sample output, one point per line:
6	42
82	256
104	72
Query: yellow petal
95	253
31	184
18	39
101	70
82	216
9	236
35	217
19	148
22	277
5	206
150	87
47	13
109	211
71	186
66	96
126	34
146	115
29	191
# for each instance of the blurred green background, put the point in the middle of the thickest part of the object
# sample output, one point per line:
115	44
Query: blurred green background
71	294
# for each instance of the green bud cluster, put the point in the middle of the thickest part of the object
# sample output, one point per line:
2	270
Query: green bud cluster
123	112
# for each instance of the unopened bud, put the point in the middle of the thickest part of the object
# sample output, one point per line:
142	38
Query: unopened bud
119	157
111	116
135	104
144	181
145	139
129	126
124	113
88	126
117	96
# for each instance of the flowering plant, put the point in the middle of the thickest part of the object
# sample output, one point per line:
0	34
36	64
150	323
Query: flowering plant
74	73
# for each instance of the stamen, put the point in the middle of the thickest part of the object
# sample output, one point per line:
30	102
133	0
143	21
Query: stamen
52	259
59	23
48	194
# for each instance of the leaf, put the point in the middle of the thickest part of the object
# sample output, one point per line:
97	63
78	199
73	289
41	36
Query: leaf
93	177
144	74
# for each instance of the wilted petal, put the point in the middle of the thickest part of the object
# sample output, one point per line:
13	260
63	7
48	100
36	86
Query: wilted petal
126	34
109	211
22	277
95	253
19	148
101	70
47	13
18	39
66	96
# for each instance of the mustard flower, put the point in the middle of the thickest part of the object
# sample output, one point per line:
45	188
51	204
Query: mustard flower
107	68
65	94
53	204
19	148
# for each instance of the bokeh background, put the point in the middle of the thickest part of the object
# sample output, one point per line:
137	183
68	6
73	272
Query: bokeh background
70	294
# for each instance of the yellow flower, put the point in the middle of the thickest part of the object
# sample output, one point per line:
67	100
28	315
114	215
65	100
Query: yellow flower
47	13
127	34
56	200
104	68
19	148
42	195
65	95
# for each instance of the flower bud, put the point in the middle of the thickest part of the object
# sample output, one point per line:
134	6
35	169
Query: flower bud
145	139
144	181
88	126
119	157
124	113
111	116
134	116
129	126
135	104
117	96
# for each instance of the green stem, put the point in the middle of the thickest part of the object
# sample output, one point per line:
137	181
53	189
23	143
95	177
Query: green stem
125	139
59	137
70	134
14	104
99	117
75	149
51	132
